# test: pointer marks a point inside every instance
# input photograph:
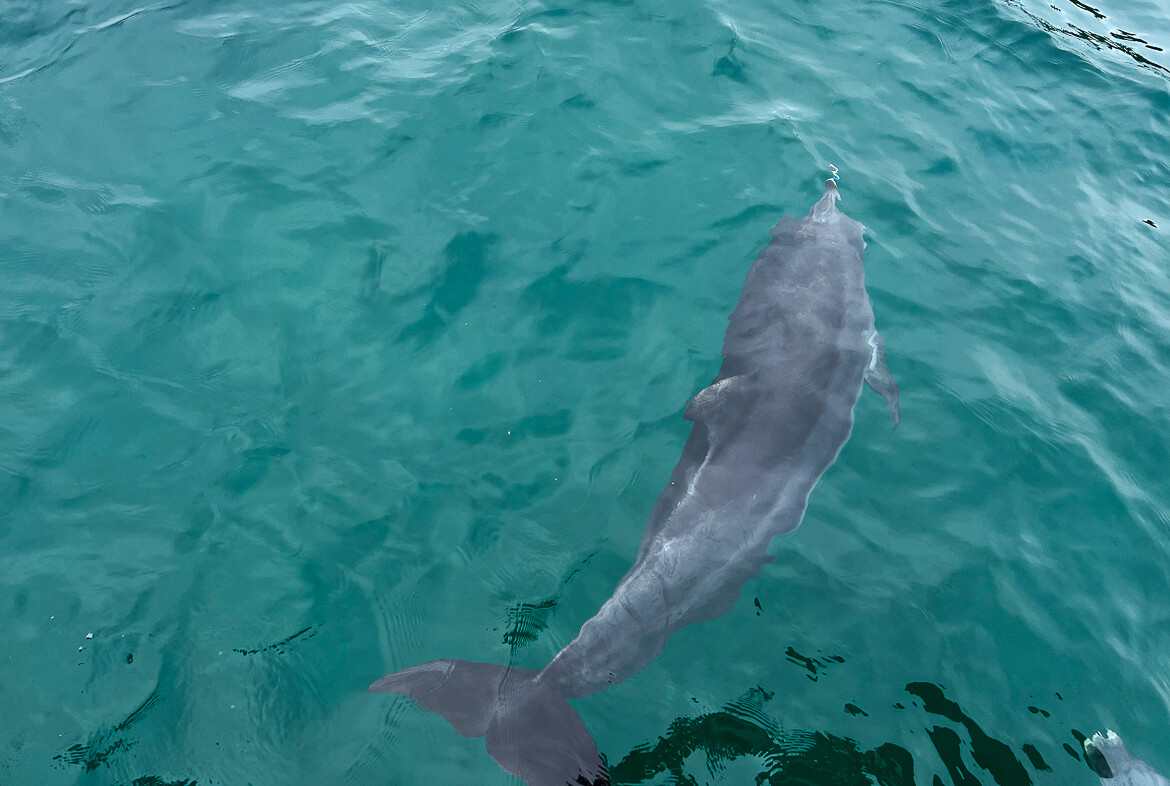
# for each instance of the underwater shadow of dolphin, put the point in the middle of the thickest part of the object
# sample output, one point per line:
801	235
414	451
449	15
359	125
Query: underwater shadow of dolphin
797	348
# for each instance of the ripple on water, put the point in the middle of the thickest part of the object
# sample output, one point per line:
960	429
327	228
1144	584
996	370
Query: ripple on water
377	322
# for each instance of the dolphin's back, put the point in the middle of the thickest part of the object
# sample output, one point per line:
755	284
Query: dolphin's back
796	350
805	286
799	336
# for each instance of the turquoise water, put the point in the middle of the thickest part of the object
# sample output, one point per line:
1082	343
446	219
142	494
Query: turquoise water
339	337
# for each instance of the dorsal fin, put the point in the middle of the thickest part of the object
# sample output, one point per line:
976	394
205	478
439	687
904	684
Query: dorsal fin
707	400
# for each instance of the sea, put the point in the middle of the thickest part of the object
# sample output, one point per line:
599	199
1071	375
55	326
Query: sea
336	337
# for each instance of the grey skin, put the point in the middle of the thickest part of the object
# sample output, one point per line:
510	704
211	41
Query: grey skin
1116	766
799	345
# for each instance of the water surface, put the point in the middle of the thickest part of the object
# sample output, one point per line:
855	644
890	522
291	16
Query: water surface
339	337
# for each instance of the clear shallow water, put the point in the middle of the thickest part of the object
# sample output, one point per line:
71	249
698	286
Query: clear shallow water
335	338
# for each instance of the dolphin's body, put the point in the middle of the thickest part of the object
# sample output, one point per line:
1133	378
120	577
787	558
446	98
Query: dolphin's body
1115	765
797	349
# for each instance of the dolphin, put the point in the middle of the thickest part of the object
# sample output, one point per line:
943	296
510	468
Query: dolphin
798	347
1107	756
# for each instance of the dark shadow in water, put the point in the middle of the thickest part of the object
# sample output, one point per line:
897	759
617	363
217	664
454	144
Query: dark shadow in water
464	269
814	666
815	758
1117	40
730	66
796	758
990	754
966	754
542	426
949	748
106	742
596	314
279	646
371	278
526	621
1035	758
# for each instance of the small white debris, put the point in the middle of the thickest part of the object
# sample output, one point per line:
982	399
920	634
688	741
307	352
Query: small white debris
79	649
89	635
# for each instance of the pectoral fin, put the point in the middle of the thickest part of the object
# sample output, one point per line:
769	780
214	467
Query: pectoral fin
878	377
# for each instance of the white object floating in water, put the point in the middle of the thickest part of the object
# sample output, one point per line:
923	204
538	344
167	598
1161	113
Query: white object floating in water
89	635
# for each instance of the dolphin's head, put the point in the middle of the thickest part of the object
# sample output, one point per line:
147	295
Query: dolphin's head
826	217
826	207
1107	755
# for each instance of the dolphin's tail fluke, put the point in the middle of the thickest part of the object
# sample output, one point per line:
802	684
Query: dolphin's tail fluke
530	728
